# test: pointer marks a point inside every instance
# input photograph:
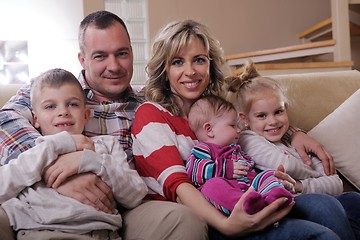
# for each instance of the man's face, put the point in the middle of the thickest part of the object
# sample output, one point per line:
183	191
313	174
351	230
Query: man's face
107	61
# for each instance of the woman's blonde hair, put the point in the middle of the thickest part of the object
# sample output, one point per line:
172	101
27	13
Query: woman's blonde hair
167	44
249	86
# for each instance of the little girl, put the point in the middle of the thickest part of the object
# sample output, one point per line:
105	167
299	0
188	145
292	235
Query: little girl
262	107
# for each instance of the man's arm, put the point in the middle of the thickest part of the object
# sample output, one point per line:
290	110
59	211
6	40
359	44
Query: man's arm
17	133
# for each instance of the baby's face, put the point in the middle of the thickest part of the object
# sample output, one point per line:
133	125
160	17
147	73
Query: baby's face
225	129
60	109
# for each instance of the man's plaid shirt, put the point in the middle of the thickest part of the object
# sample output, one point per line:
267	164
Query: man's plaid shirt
107	118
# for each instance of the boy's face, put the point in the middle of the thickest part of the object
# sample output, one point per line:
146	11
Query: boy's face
60	109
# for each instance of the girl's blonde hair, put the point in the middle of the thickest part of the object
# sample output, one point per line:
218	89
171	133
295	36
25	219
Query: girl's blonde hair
167	44
249	86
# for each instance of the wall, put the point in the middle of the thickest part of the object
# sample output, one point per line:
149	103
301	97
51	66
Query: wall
245	25
51	28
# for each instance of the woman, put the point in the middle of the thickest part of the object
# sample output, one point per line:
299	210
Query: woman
187	63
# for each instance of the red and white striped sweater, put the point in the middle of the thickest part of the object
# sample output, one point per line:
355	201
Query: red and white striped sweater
161	145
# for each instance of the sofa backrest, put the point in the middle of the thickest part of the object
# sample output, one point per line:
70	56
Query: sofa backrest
7	91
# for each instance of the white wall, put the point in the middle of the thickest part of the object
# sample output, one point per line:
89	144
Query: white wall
49	26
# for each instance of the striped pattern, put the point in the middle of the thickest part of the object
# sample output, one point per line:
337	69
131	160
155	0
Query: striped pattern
265	181
268	155
161	144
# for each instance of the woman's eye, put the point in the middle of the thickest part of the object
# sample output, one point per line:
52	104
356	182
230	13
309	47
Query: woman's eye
200	60
177	62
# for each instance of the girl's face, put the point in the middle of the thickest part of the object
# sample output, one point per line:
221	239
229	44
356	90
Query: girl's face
188	72
268	116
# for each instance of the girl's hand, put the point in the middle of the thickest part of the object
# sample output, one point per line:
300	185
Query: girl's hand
288	182
240	169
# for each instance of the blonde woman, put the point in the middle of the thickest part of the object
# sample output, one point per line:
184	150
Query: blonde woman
187	63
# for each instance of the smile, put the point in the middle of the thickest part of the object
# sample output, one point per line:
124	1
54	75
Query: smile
191	84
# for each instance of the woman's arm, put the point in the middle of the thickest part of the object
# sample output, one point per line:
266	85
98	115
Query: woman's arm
238	223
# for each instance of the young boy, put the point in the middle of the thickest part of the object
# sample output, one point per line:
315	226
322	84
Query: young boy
59	110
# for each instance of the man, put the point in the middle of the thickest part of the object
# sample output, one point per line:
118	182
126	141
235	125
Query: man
107	60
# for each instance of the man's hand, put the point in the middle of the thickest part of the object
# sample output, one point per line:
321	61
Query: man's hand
89	189
305	145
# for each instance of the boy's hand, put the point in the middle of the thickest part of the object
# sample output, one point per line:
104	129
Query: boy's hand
83	142
59	170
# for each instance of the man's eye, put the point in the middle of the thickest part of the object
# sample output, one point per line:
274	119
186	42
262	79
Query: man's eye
99	57
124	53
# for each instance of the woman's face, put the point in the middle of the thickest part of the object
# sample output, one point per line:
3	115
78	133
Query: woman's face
188	72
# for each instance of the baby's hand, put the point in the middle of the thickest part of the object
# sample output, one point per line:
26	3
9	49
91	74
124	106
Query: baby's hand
82	142
240	169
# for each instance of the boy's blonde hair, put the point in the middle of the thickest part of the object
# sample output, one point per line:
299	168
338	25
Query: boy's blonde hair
53	78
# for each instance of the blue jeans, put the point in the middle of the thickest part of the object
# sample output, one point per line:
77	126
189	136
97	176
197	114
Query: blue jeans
351	203
314	216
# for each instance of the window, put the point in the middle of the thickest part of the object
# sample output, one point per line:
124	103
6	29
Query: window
134	14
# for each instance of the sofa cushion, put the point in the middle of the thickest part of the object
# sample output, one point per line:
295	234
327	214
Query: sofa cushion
339	132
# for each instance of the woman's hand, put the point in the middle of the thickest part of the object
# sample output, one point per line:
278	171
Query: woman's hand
240	220
239	223
304	145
